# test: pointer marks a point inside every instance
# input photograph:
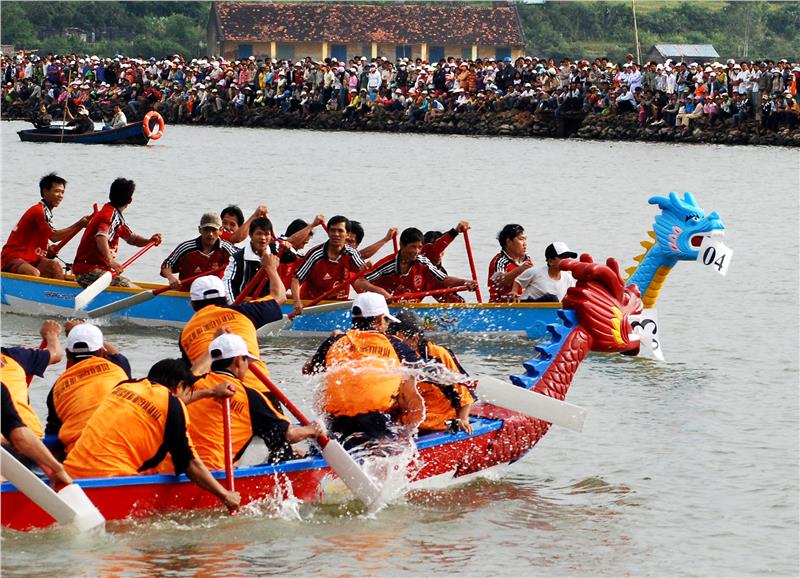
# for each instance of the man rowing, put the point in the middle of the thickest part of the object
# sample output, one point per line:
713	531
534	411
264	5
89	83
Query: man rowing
18	366
411	272
365	390
247	261
356	235
138	424
447	404
97	252
435	244
331	265
204	253
549	283
509	263
251	413
212	313
94	367
234	226
26	250
292	245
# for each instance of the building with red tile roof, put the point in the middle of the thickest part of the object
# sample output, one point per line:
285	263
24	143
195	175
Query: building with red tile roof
294	30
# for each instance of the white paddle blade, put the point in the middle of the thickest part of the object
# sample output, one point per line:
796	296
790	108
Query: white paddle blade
88	516
83	298
121	304
530	403
348	470
67	507
275	327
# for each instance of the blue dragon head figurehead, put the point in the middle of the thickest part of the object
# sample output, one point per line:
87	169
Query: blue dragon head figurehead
676	236
682	226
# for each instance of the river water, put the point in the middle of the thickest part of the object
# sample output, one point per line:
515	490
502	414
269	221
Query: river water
688	467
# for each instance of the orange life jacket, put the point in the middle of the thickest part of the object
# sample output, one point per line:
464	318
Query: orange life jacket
362	374
13	375
438	407
198	334
78	393
125	431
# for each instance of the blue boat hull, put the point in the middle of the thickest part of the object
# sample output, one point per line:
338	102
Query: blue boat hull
41	297
132	134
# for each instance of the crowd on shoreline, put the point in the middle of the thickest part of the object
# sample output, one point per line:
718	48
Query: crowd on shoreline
674	94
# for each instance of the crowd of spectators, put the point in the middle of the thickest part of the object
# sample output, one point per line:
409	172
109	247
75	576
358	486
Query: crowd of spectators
673	94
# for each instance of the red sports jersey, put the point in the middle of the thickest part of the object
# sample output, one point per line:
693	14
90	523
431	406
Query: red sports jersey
188	258
30	238
225	235
501	263
433	251
107	221
421	276
318	274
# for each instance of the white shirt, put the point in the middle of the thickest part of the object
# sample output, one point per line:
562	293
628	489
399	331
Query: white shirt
537	283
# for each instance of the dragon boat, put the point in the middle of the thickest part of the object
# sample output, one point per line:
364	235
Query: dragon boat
596	316
677	235
136	133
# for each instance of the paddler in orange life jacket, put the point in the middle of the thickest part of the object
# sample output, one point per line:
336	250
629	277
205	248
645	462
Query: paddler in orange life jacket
508	264
25	442
213	313
139	423
18	365
26	249
94	367
97	252
252	414
364	384
447	405
330	265
411	272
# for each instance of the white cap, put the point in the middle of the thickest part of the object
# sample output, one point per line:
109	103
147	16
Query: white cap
559	249
371	305
228	346
208	287
84	338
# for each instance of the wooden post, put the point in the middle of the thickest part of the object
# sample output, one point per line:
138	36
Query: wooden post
374	50
474	52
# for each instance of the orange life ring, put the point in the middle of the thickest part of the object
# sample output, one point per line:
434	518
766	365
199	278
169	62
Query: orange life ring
153	125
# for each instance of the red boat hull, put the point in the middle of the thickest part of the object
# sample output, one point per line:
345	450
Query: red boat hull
493	442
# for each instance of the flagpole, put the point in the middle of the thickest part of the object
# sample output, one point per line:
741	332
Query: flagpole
636	34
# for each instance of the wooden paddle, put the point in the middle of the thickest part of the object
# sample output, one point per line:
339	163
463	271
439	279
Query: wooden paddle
421	294
69	506
226	428
337	457
530	403
145	296
83	298
251	285
468	245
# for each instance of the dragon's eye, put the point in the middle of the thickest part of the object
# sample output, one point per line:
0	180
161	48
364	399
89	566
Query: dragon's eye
693	217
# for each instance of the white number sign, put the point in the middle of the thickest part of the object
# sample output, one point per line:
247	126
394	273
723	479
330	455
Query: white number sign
715	254
646	327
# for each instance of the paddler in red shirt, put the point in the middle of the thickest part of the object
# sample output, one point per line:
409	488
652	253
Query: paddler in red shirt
234	227
435	244
411	272
25	251
330	265
97	252
508	264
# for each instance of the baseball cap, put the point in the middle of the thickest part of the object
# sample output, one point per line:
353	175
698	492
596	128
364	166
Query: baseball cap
559	249
408	322
211	220
84	338
228	346
208	287
369	304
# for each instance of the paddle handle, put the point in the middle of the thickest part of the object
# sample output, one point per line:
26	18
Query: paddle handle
293	409
468	246
250	286
189	280
421	294
138	254
51	254
351	279
395	246
226	428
